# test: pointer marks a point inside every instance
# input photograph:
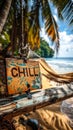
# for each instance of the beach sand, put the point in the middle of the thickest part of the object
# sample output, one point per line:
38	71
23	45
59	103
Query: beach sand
50	118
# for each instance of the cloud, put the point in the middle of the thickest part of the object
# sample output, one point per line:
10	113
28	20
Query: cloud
55	14
44	35
55	11
66	38
56	18
66	45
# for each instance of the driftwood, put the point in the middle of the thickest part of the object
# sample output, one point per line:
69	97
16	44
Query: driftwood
20	104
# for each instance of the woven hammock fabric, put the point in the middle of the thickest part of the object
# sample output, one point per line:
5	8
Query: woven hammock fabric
49	77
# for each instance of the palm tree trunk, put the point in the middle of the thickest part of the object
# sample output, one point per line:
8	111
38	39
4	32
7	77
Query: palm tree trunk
4	13
14	29
23	50
22	25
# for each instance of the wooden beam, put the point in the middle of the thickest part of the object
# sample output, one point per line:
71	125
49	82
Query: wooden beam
39	99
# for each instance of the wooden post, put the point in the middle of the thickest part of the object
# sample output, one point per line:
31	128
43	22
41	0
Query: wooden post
39	99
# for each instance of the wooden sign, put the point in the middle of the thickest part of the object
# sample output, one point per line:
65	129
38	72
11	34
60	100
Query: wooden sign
21	75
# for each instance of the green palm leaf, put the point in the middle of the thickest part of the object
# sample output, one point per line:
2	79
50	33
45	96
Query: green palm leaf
68	12
34	26
64	9
50	23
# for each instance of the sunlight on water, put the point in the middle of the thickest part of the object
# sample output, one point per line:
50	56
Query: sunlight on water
61	65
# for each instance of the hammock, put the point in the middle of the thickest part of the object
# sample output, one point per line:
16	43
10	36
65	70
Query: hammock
50	78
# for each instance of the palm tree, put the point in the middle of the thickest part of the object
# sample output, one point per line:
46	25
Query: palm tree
63	8
27	30
4	10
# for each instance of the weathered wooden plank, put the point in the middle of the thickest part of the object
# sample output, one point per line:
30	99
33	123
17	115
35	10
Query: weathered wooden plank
40	99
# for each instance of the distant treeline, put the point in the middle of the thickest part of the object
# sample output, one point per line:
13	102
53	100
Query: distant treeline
45	50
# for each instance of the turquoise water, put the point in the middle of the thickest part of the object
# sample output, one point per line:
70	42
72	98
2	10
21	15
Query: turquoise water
61	65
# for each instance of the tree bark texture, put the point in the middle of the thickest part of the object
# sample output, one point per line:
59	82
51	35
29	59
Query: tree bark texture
4	13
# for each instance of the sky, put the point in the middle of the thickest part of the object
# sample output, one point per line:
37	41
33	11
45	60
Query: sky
66	37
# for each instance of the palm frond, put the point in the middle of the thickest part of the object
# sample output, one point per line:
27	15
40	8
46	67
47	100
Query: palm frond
34	27
64	9
50	23
68	12
59	4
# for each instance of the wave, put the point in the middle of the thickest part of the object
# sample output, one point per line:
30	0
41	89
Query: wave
61	65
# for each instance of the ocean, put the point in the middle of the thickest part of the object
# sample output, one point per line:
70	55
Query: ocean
61	65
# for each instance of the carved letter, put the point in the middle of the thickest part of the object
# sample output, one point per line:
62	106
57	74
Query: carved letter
14	72
31	72
21	72
35	72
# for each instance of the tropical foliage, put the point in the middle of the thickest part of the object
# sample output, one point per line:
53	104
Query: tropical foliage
23	21
4	39
44	50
